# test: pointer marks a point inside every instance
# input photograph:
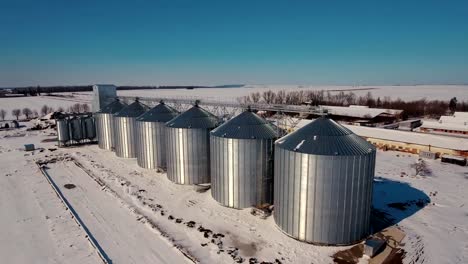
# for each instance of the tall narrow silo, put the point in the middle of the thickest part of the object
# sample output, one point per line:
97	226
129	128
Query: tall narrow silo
242	161
124	129
104	124
188	149
323	184
151	136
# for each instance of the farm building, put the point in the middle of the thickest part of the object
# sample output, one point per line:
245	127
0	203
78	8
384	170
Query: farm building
455	125
362	115
405	141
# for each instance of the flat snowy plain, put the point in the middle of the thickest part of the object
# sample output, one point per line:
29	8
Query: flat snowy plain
440	92
138	216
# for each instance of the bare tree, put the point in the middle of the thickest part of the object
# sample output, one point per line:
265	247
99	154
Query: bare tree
280	97
35	113
50	110
2	114
44	110
244	99
84	108
268	96
421	168
16	113
76	108
255	97
27	112
60	109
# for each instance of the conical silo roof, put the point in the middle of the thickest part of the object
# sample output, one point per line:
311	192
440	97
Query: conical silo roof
324	136
246	125
135	109
195	117
159	113
113	107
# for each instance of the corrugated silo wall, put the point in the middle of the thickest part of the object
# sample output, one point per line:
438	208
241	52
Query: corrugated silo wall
151	144
323	199
124	137
241	171
104	129
188	155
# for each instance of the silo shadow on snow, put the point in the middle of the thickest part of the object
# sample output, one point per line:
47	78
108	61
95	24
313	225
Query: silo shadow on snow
394	201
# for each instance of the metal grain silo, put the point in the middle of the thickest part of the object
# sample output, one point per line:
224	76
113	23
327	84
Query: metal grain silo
151	136
104	124
323	184
242	161
124	129
188	146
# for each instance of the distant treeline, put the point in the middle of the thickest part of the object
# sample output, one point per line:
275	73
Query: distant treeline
38	90
414	108
29	113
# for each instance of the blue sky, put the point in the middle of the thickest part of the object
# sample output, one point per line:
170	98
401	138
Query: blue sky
218	42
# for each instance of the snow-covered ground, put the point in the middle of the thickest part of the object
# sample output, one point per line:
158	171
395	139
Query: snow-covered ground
36	103
440	92
139	216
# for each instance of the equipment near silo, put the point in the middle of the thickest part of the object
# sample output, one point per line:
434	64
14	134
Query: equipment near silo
63	132
104	124
89	127
75	129
188	150
323	184
124	129
151	136
242	161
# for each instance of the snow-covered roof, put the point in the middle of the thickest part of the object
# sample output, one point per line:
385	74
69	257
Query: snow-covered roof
448	142
360	111
458	122
445	125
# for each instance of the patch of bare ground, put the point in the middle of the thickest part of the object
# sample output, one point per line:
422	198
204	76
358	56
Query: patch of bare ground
349	256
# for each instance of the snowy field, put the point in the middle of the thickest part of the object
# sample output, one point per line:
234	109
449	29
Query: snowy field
138	216
440	92
36	102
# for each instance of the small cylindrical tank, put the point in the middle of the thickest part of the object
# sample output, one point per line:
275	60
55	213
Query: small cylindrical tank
242	161
151	136
76	129
124	129
89	127
188	149
63	131
104	124
323	184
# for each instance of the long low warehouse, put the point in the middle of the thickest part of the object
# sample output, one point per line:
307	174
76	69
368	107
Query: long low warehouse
405	141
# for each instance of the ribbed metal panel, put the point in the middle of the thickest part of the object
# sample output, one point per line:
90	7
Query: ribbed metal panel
324	199
89	127
151	136
105	130
63	130
76	129
241	171
151	145
124	137
188	155
125	129
105	126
